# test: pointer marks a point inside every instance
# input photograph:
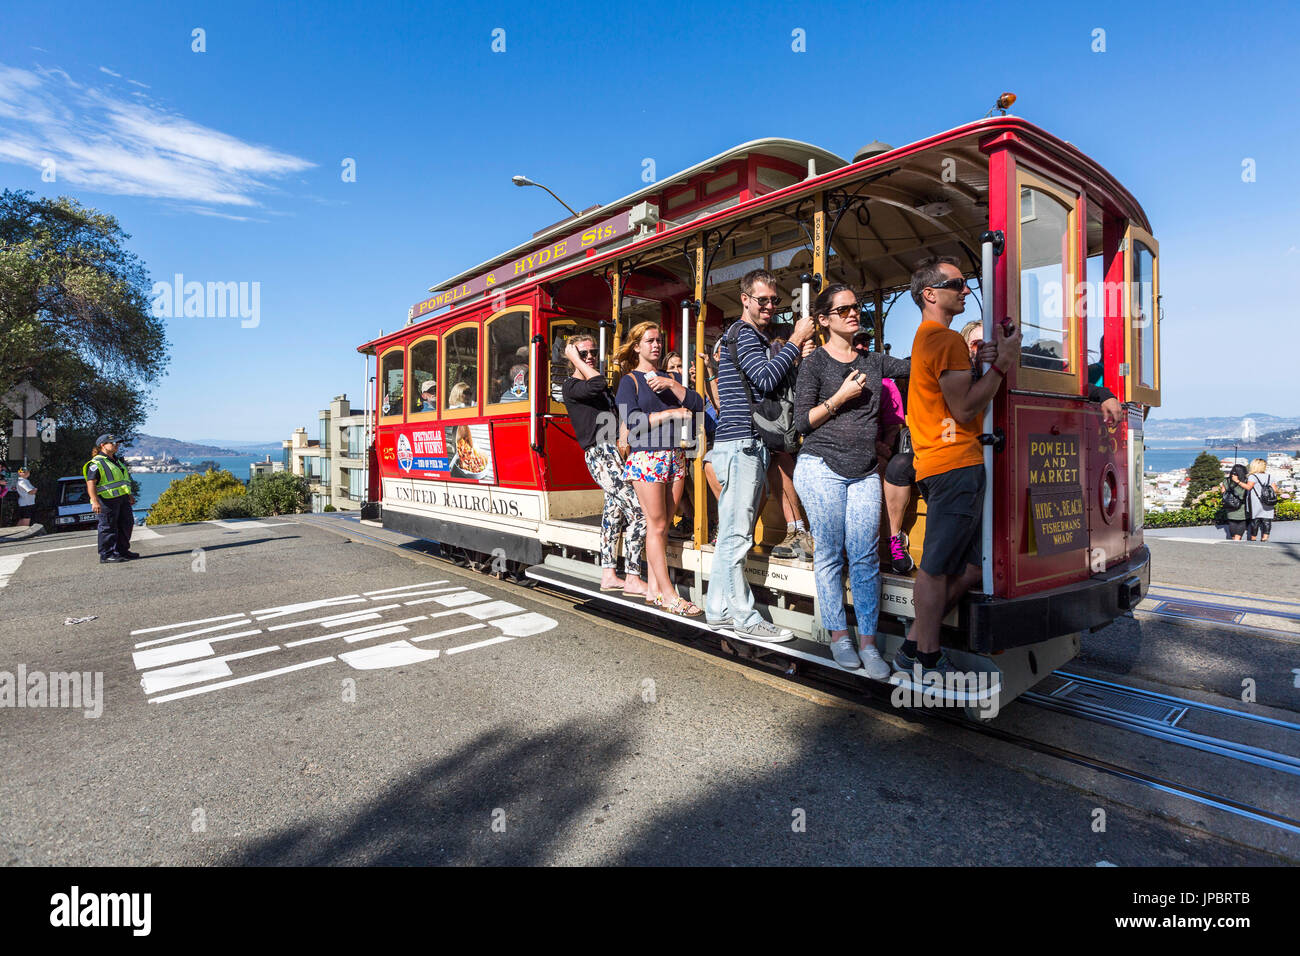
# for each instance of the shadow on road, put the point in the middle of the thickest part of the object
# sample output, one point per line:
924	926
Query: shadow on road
445	813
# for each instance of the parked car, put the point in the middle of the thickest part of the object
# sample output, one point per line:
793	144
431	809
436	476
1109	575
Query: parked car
72	509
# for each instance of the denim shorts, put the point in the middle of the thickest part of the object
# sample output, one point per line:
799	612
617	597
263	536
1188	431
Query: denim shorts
655	466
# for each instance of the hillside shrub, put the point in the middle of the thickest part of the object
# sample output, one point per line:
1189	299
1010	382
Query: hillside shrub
233	506
194	497
281	493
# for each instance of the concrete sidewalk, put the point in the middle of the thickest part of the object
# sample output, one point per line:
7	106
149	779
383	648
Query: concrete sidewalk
1282	531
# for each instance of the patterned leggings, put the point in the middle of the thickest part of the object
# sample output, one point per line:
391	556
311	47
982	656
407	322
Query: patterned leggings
621	508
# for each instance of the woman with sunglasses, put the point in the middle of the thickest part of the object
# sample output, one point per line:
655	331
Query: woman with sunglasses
837	409
655	410
590	405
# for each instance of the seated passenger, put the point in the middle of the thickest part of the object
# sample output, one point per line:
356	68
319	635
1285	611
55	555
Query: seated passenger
590	405
429	396
837	409
655	409
460	396
516	389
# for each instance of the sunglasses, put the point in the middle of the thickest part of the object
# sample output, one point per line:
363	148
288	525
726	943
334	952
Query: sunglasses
844	311
956	285
766	301
586	353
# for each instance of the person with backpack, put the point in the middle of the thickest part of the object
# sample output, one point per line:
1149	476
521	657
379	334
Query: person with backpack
1262	500
1236	502
756	416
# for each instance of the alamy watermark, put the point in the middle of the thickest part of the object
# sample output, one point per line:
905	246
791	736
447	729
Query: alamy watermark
78	690
978	690
210	300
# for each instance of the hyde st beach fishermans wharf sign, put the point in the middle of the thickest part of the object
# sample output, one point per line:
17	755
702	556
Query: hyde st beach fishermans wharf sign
1056	511
596	235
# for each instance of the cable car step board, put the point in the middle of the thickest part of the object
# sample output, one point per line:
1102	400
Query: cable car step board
983	691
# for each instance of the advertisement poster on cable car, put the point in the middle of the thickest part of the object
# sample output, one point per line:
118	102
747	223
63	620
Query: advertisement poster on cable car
457	452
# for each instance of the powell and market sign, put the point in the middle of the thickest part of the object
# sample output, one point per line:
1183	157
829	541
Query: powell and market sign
602	232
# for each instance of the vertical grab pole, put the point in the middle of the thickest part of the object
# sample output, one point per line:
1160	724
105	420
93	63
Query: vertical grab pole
699	486
988	261
365	428
533	389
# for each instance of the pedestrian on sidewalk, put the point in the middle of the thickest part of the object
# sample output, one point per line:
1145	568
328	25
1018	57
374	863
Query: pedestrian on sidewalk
1261	500
1236	501
26	497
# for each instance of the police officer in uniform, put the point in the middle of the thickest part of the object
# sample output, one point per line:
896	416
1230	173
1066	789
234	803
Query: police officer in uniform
108	484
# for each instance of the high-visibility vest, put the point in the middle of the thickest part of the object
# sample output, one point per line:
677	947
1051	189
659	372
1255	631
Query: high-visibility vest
113	478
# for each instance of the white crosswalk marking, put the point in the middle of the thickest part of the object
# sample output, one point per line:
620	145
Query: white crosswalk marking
396	654
180	660
9	565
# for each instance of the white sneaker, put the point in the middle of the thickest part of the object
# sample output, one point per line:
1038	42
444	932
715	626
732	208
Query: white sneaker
844	654
873	663
764	631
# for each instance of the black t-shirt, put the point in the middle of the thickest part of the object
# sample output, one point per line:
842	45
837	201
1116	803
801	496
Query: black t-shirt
586	402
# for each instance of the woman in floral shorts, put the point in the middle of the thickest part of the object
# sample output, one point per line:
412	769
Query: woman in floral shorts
655	410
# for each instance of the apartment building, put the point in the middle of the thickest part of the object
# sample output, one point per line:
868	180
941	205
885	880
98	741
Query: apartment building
334	464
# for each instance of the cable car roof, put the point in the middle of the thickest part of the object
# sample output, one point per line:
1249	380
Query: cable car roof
787	149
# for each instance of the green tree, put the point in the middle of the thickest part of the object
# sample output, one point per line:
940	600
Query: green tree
1205	473
75	322
194	497
279	494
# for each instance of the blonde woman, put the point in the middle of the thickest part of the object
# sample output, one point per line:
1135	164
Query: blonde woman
459	396
1258	484
654	409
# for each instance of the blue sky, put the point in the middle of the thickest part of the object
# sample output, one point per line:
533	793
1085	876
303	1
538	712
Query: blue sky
225	165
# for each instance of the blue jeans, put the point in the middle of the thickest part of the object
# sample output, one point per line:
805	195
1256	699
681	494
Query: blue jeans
844	514
742	471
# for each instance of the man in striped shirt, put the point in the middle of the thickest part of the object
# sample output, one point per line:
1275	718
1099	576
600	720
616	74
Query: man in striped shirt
739	455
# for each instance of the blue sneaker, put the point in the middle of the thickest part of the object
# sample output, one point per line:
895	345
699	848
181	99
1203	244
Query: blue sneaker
903	662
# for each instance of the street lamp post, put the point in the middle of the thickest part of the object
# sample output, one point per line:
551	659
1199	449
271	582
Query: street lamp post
525	181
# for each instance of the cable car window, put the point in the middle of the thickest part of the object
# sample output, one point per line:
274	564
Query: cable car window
562	333
461	370
391	379
1143	293
507	358
1044	281
424	376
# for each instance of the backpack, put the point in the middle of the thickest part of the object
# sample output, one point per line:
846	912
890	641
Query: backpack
1232	498
1267	493
773	414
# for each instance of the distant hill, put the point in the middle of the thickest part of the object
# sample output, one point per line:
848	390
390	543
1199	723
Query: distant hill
156	446
1199	429
1286	436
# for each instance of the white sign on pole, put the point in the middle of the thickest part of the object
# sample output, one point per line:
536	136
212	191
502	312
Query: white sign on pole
25	428
25	399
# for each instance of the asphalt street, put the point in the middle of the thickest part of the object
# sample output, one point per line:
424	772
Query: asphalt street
272	695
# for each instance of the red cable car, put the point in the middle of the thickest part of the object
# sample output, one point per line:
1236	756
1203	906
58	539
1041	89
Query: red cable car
472	447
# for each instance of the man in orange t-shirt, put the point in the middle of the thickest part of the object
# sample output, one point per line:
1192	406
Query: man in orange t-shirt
944	408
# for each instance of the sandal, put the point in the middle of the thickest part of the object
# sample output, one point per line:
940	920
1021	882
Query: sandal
682	608
654	600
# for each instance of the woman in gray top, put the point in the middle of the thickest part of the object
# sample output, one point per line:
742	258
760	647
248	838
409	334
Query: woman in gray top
837	409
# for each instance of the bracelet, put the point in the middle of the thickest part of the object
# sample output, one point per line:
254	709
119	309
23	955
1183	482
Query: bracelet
994	368
831	409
